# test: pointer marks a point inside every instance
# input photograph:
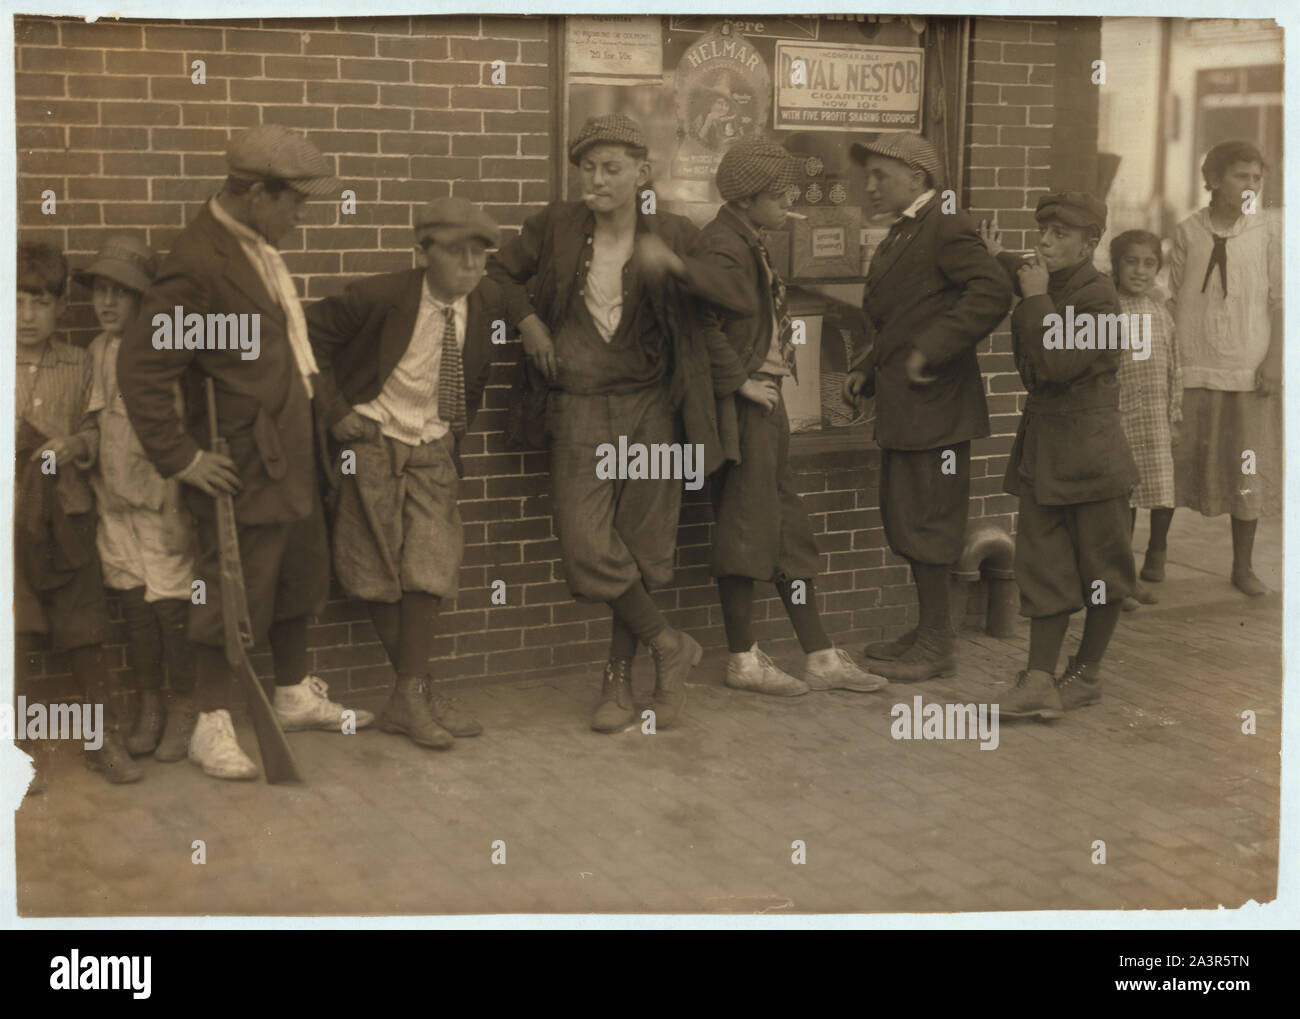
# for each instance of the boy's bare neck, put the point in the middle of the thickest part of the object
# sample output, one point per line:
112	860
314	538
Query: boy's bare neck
617	223
31	353
1224	214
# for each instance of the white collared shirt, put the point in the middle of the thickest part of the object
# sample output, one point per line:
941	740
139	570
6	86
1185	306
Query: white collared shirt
406	408
911	211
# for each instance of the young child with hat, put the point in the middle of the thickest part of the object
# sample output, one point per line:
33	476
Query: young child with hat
761	530
58	593
145	535
1070	464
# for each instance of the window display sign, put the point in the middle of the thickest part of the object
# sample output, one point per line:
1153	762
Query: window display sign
628	46
826	242
846	87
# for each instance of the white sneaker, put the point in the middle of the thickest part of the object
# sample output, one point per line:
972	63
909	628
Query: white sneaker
214	748
306	705
833	669
753	670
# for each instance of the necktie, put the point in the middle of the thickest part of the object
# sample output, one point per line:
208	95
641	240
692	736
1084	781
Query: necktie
895	229
784	326
1219	257
451	379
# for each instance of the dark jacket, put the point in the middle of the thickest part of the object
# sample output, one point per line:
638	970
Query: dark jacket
539	270
263	409
935	289
358	337
737	341
1070	434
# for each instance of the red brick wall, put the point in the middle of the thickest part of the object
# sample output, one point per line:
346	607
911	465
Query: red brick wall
108	118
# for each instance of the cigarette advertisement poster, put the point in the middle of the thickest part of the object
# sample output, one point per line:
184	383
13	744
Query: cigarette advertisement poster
838	87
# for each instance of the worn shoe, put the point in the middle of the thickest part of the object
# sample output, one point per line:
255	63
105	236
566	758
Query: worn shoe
1033	696
932	654
675	653
408	713
616	708
888	650
833	669
1144	596
214	748
449	713
179	727
754	671
1249	584
1130	604
148	725
113	762
306	705
1153	566
1079	685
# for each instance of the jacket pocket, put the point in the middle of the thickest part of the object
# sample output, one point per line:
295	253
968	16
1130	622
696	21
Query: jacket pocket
1078	447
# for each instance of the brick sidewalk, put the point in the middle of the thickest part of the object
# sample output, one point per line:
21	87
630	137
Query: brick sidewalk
702	818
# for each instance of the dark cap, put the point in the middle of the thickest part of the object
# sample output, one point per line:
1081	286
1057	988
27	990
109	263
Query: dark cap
752	167
910	149
1073	208
460	217
125	260
611	129
273	152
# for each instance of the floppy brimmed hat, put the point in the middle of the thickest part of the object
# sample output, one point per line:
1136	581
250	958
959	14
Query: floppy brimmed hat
125	260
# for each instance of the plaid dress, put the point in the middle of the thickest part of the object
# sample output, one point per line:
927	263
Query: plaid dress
1150	400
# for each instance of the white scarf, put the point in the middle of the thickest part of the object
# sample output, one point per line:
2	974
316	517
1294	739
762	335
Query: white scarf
269	264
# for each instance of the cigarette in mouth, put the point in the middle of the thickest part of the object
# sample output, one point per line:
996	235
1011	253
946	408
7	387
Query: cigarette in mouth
796	215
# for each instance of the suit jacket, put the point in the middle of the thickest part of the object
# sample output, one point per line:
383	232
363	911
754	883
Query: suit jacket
538	272
359	336
263	409
936	289
737	341
1071	432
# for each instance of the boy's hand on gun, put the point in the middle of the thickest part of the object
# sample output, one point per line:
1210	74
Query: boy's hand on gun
65	447
762	392
212	473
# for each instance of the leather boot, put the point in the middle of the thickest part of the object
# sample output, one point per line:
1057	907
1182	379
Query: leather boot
616	708
112	760
888	650
675	653
1153	566
1033	696
148	725
179	727
932	654
1080	684
407	712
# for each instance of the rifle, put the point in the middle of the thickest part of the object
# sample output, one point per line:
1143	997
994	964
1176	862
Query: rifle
277	758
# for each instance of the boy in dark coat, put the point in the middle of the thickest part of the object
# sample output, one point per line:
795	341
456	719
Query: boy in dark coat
610	335
1070	465
762	530
383	346
933	293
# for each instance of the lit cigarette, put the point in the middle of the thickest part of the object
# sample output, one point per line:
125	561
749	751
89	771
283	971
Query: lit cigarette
796	215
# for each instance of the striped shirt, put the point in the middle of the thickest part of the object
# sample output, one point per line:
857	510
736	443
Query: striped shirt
406	408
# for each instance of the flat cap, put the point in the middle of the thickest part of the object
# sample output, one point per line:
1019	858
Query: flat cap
1074	208
751	167
611	129
125	260
460	217
273	152
909	149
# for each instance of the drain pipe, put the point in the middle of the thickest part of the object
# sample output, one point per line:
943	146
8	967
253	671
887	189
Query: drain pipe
990	550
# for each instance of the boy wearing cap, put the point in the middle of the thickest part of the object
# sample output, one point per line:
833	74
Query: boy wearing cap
612	337
226	263
383	346
145	538
761	529
1070	465
933	292
58	593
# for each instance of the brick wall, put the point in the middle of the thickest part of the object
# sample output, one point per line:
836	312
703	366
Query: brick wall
109	119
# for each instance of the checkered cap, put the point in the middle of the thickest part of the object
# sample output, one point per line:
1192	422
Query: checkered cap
752	167
273	152
909	149
611	129
1074	208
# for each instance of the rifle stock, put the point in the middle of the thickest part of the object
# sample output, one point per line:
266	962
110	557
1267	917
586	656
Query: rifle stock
277	759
